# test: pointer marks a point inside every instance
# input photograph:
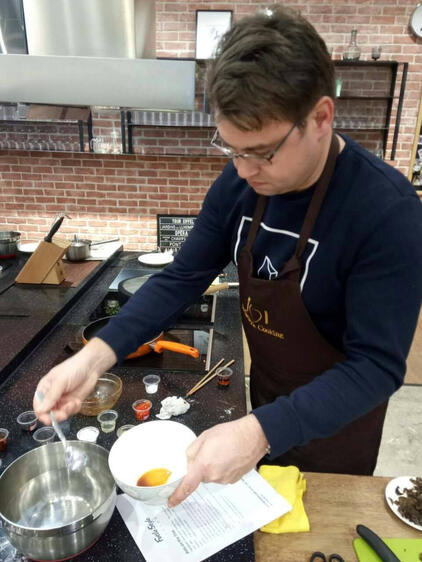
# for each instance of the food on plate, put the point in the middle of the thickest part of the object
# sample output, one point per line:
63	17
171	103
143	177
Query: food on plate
154	477
410	501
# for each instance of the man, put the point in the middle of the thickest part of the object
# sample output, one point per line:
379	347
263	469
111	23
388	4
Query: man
327	241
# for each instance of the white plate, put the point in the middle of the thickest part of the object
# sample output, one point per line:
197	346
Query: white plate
156	258
28	247
390	495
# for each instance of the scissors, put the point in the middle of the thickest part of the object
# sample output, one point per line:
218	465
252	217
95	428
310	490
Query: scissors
320	557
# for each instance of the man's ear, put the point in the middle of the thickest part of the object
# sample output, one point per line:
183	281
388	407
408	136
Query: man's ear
322	116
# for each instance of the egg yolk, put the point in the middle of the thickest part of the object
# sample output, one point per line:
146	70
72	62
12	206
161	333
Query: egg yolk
154	477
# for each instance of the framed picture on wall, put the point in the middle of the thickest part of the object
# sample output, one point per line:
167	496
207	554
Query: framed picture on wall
210	26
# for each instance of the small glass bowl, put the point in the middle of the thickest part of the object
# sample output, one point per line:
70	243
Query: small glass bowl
27	421
124	428
224	377
44	434
4	434
142	409
105	394
151	383
107	420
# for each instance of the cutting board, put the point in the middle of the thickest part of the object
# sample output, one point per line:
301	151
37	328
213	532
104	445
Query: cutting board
407	550
75	272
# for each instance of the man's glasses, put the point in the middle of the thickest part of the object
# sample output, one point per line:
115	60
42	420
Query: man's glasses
261	159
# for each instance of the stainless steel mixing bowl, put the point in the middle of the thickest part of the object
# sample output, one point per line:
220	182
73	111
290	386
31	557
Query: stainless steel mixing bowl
51	513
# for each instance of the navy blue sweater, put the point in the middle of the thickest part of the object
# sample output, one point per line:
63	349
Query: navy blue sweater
361	284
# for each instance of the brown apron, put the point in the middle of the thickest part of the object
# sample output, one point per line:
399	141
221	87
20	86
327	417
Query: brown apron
287	351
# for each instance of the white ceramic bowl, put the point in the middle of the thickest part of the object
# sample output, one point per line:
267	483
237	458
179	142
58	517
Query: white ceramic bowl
149	445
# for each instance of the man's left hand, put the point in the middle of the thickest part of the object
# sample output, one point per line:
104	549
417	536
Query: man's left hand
222	454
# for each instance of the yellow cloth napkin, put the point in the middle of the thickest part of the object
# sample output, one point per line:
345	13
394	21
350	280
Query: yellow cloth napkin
290	483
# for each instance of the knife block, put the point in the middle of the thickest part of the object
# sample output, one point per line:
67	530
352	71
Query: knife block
45	264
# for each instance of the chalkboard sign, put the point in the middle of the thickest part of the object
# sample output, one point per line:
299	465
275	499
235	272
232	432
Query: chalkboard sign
172	230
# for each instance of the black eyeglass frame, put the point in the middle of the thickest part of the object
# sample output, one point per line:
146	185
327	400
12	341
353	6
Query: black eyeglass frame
227	151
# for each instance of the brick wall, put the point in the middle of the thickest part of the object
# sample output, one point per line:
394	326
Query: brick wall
120	195
104	195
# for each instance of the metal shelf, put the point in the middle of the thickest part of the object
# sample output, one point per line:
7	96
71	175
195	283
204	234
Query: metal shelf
366	98
8	109
365	63
394	66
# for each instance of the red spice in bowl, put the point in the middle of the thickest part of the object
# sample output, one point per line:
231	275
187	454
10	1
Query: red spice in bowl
142	409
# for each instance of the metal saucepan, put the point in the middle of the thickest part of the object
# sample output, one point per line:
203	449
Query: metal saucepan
9	243
80	248
128	287
156	344
51	513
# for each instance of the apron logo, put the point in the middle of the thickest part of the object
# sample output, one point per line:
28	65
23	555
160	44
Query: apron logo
259	319
268	268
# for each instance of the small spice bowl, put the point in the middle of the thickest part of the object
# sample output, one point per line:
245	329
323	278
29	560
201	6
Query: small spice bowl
142	409
107	420
224	377
44	434
124	428
151	383
27	420
4	434
88	433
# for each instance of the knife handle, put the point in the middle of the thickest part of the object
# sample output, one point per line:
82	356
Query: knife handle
54	229
377	544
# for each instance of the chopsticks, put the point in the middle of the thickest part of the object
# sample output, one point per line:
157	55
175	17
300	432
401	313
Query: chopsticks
210	375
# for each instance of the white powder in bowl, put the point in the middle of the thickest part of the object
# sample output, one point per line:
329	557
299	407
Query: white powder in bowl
89	433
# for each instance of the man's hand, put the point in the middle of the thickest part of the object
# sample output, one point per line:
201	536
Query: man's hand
67	384
222	454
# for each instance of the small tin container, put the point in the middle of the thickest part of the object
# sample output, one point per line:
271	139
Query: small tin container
107	420
224	377
44	434
4	434
27	420
151	383
142	409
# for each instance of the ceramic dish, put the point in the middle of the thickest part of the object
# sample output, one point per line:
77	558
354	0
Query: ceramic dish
391	495
156	258
147	447
28	247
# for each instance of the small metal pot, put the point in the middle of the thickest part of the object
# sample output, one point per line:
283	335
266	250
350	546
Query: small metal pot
80	249
49	513
9	243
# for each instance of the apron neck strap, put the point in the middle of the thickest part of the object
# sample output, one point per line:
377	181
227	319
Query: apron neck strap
311	215
256	221
293	266
315	205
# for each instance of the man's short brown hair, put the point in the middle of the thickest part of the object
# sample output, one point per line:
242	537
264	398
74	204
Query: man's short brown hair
269	66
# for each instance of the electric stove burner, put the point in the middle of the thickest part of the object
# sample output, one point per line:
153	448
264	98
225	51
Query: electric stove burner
201	312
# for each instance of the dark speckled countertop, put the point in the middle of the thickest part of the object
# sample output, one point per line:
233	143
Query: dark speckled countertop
32	344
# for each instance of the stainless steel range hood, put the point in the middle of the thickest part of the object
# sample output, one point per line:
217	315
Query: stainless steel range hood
91	28
137	83
95	52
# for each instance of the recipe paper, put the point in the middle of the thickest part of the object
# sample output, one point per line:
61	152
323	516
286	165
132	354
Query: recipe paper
213	517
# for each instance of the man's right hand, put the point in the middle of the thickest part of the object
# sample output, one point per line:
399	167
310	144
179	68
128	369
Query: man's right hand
69	383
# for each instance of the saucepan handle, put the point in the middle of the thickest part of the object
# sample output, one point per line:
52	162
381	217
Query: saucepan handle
105	241
161	345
